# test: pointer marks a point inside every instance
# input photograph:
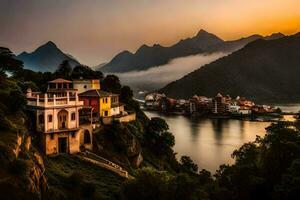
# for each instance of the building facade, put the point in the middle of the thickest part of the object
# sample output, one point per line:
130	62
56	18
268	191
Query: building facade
57	120
106	106
83	85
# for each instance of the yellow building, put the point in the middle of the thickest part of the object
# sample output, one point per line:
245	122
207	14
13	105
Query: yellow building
100	101
83	85
105	106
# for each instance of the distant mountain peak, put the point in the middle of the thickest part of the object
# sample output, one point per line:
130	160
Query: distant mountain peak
202	32
278	34
46	58
274	36
157	45
207	37
143	48
24	53
50	44
125	53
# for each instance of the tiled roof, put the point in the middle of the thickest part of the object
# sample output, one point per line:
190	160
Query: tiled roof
60	80
95	93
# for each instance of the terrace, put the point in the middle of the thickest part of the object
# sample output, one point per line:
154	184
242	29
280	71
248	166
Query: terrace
50	99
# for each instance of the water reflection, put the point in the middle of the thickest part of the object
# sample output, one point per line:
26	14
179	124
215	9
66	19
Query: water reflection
210	142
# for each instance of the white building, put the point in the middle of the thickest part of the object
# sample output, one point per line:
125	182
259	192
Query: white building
57	120
82	85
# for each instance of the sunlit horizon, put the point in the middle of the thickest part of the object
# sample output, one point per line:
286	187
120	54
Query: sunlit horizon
94	31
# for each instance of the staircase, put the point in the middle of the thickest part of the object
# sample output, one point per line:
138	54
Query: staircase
103	163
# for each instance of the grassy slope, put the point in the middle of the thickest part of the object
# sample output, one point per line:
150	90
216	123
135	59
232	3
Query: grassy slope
59	169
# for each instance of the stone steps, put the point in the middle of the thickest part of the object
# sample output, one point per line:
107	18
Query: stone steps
103	163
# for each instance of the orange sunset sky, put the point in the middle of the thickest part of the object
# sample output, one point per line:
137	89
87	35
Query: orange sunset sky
94	31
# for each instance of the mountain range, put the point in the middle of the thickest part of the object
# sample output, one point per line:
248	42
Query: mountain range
45	58
264	70
150	56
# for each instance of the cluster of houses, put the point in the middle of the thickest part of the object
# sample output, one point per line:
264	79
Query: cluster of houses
64	117
218	105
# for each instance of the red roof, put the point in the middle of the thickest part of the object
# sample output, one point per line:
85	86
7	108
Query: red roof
60	80
95	93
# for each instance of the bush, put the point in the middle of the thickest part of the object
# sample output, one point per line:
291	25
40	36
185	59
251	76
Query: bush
88	190
19	167
75	180
17	100
188	164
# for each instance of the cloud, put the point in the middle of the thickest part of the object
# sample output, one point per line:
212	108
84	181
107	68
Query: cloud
157	77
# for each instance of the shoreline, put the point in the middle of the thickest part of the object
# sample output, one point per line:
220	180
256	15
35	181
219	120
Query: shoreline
268	117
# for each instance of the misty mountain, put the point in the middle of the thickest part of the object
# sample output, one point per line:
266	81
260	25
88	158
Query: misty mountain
146	57
46	58
264	70
97	67
233	45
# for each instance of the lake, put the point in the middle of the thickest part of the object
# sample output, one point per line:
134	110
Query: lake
210	142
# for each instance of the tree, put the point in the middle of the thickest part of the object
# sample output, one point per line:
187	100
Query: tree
8	62
85	72
64	70
188	164
157	136
247	154
152	184
17	100
290	186
126	94
111	83
149	184
157	125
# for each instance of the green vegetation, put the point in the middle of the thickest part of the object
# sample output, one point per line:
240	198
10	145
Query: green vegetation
71	178
267	168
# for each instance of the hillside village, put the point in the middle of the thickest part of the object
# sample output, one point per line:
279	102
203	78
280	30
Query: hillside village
218	106
66	115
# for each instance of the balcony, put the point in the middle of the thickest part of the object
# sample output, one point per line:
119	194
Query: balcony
49	100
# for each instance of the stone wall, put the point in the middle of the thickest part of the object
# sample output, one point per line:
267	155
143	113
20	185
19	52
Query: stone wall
122	119
84	128
50	142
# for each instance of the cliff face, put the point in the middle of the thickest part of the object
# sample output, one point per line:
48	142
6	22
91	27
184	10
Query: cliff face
119	144
22	167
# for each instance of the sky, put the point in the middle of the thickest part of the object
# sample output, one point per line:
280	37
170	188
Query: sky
94	31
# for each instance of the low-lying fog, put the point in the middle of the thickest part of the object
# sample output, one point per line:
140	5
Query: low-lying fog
157	77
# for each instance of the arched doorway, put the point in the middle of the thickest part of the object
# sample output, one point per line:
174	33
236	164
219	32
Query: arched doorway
86	137
62	119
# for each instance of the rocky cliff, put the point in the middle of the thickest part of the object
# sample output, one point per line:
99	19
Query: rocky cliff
22	167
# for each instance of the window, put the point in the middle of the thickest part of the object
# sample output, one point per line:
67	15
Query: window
41	118
73	116
73	134
102	100
84	86
52	136
49	118
86	137
90	101
105	100
106	113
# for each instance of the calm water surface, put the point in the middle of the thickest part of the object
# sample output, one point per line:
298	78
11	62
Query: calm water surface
210	142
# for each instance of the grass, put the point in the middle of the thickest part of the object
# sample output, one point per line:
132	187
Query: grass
59	170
